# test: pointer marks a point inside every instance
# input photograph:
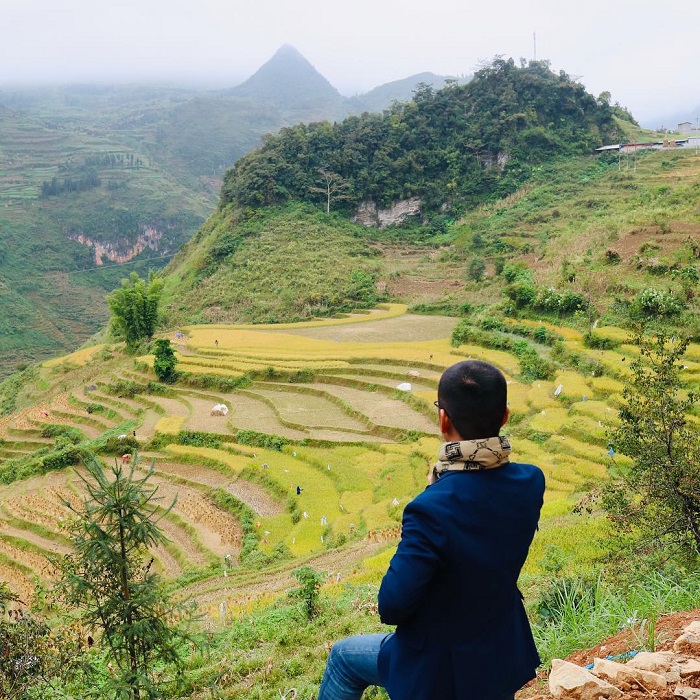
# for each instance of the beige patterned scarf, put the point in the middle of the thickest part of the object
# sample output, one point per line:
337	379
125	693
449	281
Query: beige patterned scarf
471	455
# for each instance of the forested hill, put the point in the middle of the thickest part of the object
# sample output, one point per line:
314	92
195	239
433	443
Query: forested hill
452	148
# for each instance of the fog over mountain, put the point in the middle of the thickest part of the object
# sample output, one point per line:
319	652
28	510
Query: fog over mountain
645	56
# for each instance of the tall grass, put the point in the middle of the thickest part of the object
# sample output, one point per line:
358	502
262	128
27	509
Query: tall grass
577	614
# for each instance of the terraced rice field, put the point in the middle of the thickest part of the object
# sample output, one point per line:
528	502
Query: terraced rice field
353	450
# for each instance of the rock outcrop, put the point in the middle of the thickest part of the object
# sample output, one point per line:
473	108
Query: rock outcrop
673	673
368	214
568	680
115	253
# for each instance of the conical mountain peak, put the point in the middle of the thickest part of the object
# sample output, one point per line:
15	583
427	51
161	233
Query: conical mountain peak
287	79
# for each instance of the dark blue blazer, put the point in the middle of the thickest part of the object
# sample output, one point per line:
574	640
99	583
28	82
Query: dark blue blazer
451	588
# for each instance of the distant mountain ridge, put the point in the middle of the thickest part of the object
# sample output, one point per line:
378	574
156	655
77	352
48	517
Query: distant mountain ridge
288	80
155	155
381	97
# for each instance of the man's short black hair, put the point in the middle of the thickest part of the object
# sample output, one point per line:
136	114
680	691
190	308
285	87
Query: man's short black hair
474	396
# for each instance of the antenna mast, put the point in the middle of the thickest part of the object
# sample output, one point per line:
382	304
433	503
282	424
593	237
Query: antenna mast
534	43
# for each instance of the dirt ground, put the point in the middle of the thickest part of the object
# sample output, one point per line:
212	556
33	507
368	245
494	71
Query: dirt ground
668	629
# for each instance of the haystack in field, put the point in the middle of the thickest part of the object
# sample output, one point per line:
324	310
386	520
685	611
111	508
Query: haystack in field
221	409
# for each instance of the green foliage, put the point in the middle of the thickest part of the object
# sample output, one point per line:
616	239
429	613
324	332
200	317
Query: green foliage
566	596
215	381
506	119
61	458
247	518
654	502
164	361
443	307
522	294
516	272
532	366
73	434
198	439
114	445
559	302
310	581
302	376
289	264
34	658
599	342
11	387
56	187
651	303
527	295
134	309
108	579
578	612
689	278
127	388
476	269
255	439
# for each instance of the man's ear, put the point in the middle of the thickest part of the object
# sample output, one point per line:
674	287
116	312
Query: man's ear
446	427
506	415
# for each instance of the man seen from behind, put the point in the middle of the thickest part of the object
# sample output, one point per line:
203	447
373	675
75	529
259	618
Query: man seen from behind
451	587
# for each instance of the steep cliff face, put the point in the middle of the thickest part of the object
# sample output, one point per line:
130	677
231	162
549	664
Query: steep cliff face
149	238
369	214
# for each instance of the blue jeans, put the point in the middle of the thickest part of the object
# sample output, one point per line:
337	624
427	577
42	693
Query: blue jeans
352	667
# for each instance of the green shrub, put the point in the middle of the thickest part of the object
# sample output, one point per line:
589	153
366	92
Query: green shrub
443	307
215	381
532	366
197	438
11	387
164	361
521	293
60	459
255	439
516	272
598	342
114	445
476	270
310	582
54	430
246	517
125	388
565	596
492	323
612	257
550	299
655	302
302	376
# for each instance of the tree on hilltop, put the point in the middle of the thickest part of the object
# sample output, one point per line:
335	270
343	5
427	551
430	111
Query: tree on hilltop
452	148
334	187
134	308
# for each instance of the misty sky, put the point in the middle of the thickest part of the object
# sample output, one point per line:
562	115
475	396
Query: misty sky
646	54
